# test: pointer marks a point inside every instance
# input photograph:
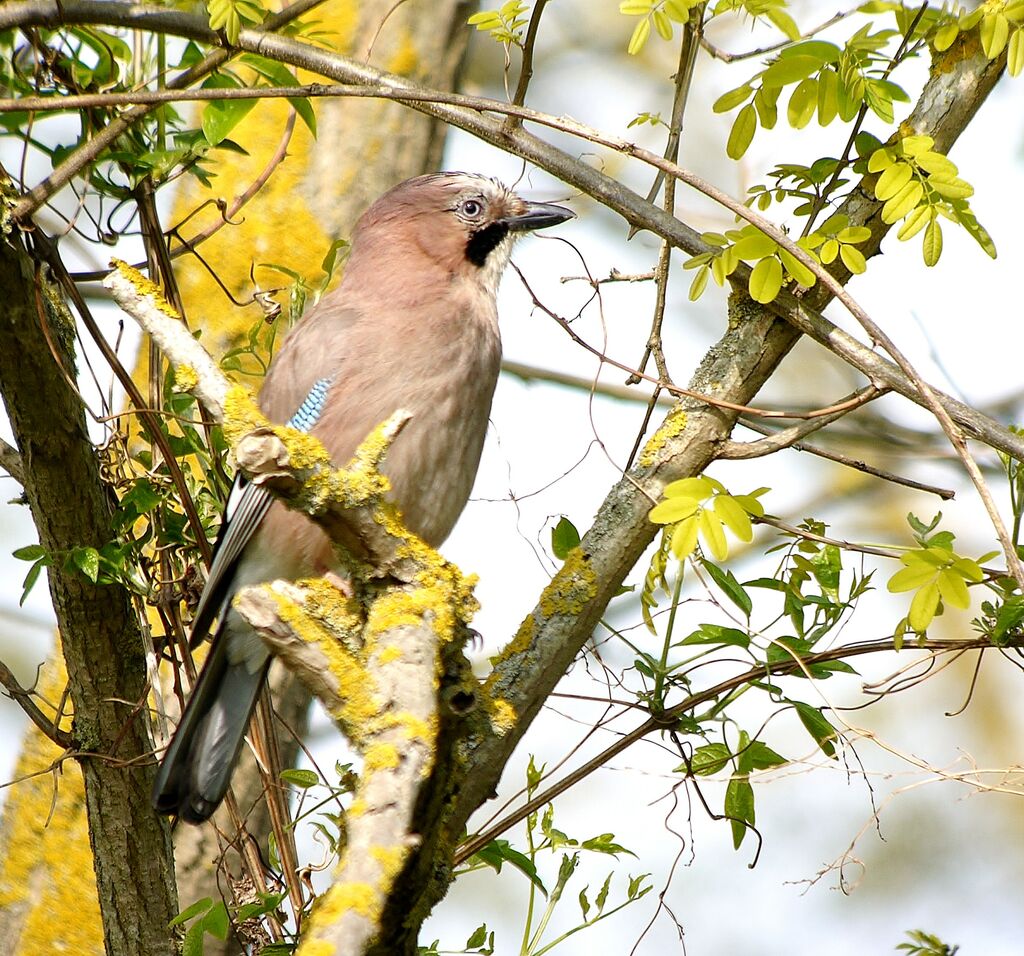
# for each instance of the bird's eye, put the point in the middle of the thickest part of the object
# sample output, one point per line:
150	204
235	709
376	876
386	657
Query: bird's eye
472	208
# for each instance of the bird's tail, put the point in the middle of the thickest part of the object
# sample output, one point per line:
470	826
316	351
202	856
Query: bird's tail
196	768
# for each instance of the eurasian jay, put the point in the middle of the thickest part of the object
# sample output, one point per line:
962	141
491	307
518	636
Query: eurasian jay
413	324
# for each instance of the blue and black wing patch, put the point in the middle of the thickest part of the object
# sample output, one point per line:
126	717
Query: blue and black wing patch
246	508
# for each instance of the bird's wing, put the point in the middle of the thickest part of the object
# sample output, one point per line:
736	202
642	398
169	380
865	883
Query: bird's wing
297	386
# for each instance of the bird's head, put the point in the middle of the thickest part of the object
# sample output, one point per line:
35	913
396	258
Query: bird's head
463	222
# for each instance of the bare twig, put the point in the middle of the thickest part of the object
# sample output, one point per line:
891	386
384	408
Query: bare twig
23	698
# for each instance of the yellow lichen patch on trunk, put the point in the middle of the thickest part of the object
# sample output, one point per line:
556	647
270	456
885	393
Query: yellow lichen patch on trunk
46	865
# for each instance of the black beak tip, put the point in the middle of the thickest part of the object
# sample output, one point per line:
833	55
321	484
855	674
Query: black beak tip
539	215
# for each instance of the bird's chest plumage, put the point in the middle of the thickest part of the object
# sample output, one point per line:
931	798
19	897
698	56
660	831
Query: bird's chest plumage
440	364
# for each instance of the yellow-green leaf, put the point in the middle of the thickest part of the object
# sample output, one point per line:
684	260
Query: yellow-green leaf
765	280
854	234
734	517
742	132
698	488
903	202
995	29
853	259
713	535
829	251
699	284
916	221
931	249
755	245
750	504
971	570
684	538
915	145
880	159
640	34
957	189
662	24
953	589
732	99
945	36
671	510
893	180
803	103
828	97
923	607
935	164
797	269
910	578
1015	55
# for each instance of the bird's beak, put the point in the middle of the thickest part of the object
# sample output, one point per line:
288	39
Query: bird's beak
537	215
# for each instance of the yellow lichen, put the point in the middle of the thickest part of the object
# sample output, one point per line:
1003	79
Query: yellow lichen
380	756
387	655
241	414
502	714
390	859
342	898
572	587
673	425
145	287
406	58
185	378
416	728
45	857
356	686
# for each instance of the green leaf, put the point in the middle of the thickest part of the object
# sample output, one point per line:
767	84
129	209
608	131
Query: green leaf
742	133
828	96
783	22
478	937
717	633
220	117
564	537
216	921
300	778
915	145
708	759
731	588
739	806
803	103
31	552
790	69
732	99
199	906
498	852
765	280
700	283
818	727
87	560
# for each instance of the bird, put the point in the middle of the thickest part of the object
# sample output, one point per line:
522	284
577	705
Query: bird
412	324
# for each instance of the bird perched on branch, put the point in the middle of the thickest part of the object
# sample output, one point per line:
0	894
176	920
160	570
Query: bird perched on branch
413	324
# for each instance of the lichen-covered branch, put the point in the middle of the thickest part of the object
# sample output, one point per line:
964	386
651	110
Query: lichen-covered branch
373	660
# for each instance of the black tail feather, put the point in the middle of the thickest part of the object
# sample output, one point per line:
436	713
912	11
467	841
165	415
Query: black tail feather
196	769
